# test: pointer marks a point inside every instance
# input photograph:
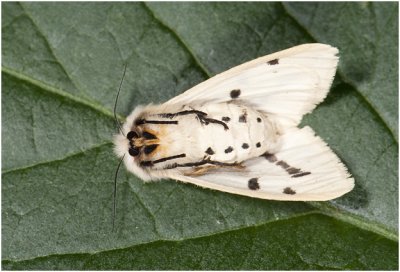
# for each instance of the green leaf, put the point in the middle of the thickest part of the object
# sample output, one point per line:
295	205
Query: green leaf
312	242
62	65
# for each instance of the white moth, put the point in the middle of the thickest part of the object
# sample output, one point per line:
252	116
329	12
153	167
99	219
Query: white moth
237	132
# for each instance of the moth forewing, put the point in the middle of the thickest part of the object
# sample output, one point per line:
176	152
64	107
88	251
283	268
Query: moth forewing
237	132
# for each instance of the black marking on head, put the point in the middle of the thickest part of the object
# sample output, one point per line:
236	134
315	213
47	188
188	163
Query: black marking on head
301	174
149	148
293	170
146	164
235	93
205	121
148	135
161	122
283	164
269	157
151	163
273	62
139	122
133	151
170	158
258	145
259	120
253	184
185	112
226	119
245	145
131	134
289	191
229	149
143	121
209	151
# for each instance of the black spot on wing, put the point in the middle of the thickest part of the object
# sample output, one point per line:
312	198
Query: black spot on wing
293	170
283	164
245	145
273	62
269	157
229	149
253	184
243	117
235	93
200	163
289	191
258	144
301	174
209	151
259	120
226	119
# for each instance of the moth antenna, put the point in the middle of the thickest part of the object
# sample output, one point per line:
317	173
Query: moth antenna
116	101
115	193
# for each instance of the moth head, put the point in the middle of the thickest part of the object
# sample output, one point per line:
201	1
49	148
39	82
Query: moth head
123	141
134	148
141	142
136	143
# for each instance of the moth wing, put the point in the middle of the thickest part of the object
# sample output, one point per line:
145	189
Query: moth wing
286	84
305	169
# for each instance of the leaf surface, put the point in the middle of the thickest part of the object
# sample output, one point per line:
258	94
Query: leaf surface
62	64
